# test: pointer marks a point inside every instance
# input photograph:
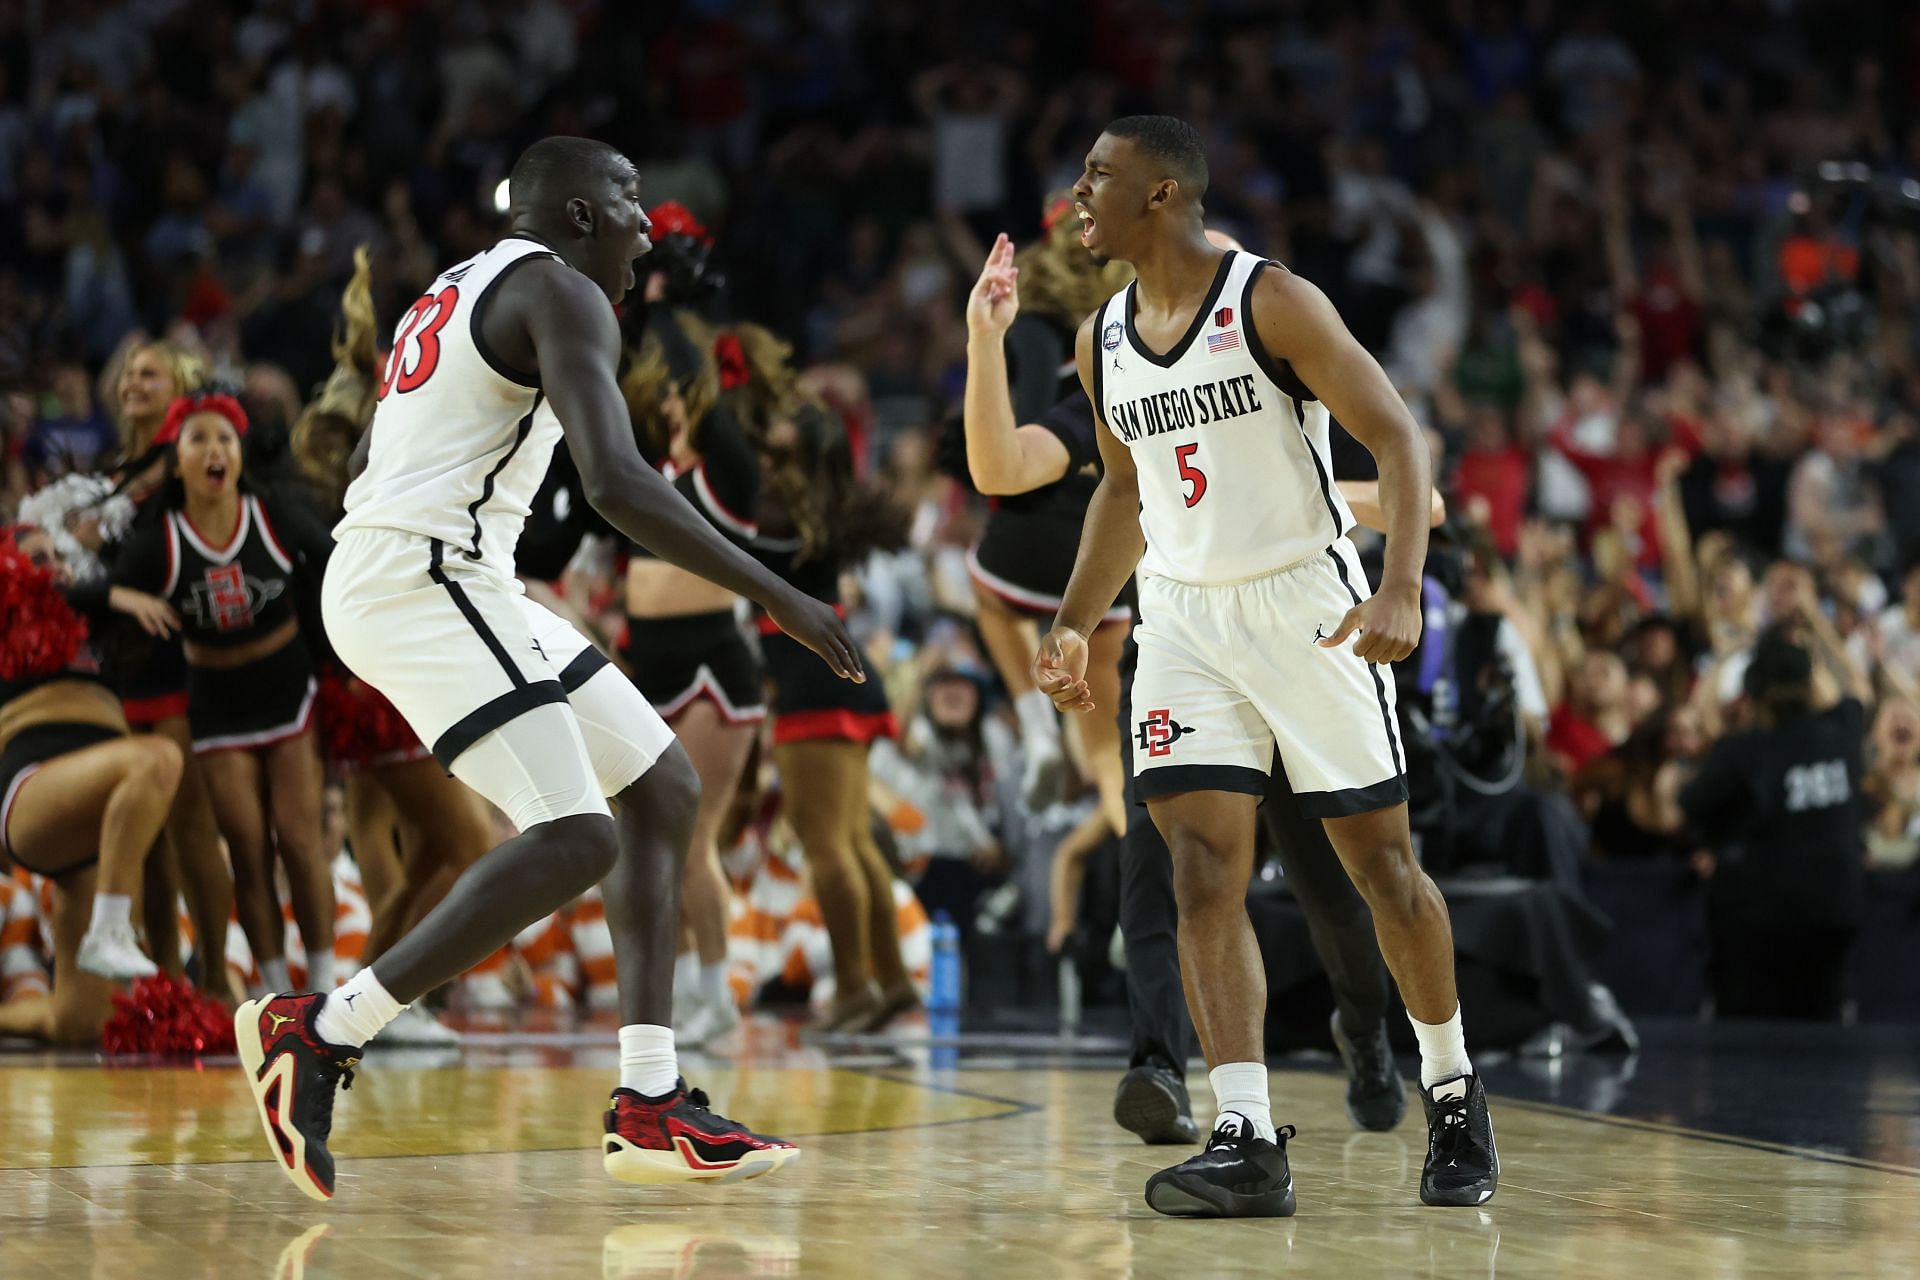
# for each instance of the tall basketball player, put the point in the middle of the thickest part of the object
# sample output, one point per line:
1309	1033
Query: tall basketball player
1214	374
503	355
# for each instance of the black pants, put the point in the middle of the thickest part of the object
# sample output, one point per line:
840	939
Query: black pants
1762	971
1337	916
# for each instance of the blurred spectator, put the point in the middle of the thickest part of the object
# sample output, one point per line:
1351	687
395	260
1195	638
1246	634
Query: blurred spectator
71	433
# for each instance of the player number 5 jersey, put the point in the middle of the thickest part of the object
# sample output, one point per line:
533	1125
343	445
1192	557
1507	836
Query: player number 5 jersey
460	442
1234	474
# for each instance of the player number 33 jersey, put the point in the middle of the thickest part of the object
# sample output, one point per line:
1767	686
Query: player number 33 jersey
1234	473
460	441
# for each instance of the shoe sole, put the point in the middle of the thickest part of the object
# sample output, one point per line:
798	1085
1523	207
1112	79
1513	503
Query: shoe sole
1395	1099
641	1166
1151	1113
286	1142
1179	1197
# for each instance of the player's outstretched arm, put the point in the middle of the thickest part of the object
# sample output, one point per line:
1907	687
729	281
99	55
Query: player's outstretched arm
1002	456
576	344
1296	323
1110	548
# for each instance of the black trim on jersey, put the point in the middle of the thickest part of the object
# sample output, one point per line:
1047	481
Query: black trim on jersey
1279	372
1373	669
1175	779
1100	357
486	487
1200	318
477	330
477	724
1320	469
472	615
1354	800
585	666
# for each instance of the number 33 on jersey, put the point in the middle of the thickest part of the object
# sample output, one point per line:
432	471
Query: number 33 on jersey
460	441
1230	446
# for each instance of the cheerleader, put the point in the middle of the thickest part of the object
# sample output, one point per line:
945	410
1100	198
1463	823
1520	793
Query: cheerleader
684	646
237	567
1025	554
149	377
811	525
81	799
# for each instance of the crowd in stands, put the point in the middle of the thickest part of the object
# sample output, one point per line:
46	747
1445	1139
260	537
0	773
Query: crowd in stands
1648	273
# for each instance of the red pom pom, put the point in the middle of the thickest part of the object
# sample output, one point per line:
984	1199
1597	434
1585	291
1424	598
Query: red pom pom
670	218
358	726
42	633
165	1017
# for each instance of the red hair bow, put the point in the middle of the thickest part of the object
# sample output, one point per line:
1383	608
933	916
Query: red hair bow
671	218
733	362
187	406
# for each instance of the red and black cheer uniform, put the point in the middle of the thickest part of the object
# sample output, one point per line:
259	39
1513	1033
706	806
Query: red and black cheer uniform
38	741
229	595
809	700
1026	550
677	660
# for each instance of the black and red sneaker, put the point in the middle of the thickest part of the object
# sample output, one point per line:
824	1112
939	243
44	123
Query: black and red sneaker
292	1073
677	1139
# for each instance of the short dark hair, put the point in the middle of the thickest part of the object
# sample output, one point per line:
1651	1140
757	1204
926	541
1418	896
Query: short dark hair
1174	143
558	166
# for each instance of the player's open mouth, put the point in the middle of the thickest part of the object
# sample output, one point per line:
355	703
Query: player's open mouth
1086	223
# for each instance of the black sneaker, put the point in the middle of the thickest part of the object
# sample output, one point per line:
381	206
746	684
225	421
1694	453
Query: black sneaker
1376	1095
1239	1175
1152	1102
293	1074
1463	1168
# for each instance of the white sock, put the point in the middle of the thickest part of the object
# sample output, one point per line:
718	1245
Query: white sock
686	974
1038	720
320	971
111	911
1242	1087
1443	1049
354	1014
713	984
647	1062
274	974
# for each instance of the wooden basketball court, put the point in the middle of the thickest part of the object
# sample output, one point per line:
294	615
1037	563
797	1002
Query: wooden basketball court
483	1163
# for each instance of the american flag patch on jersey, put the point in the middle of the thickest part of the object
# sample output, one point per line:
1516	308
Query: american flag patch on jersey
1218	342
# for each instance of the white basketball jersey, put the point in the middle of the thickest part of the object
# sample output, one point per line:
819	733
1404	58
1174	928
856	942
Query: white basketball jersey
460	442
1234	470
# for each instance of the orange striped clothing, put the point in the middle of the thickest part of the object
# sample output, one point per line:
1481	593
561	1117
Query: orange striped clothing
24	961
352	919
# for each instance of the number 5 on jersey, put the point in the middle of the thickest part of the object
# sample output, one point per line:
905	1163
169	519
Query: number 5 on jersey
1191	475
416	346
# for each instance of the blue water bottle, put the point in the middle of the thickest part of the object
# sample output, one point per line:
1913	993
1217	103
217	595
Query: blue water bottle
943	987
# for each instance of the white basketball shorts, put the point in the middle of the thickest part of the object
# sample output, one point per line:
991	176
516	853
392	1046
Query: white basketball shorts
511	699
1229	673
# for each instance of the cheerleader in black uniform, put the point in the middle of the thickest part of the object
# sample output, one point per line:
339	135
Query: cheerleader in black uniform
1025	555
239	569
81	800
153	689
812	515
684	646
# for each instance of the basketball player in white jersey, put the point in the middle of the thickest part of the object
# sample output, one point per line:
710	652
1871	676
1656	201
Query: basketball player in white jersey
504	354
1214	375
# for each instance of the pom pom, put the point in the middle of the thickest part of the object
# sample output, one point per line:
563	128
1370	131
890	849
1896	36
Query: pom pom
358	726
671	218
169	1018
43	633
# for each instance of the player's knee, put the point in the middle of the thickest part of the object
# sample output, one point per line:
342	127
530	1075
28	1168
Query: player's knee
1388	878
583	847
1202	866
669	791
